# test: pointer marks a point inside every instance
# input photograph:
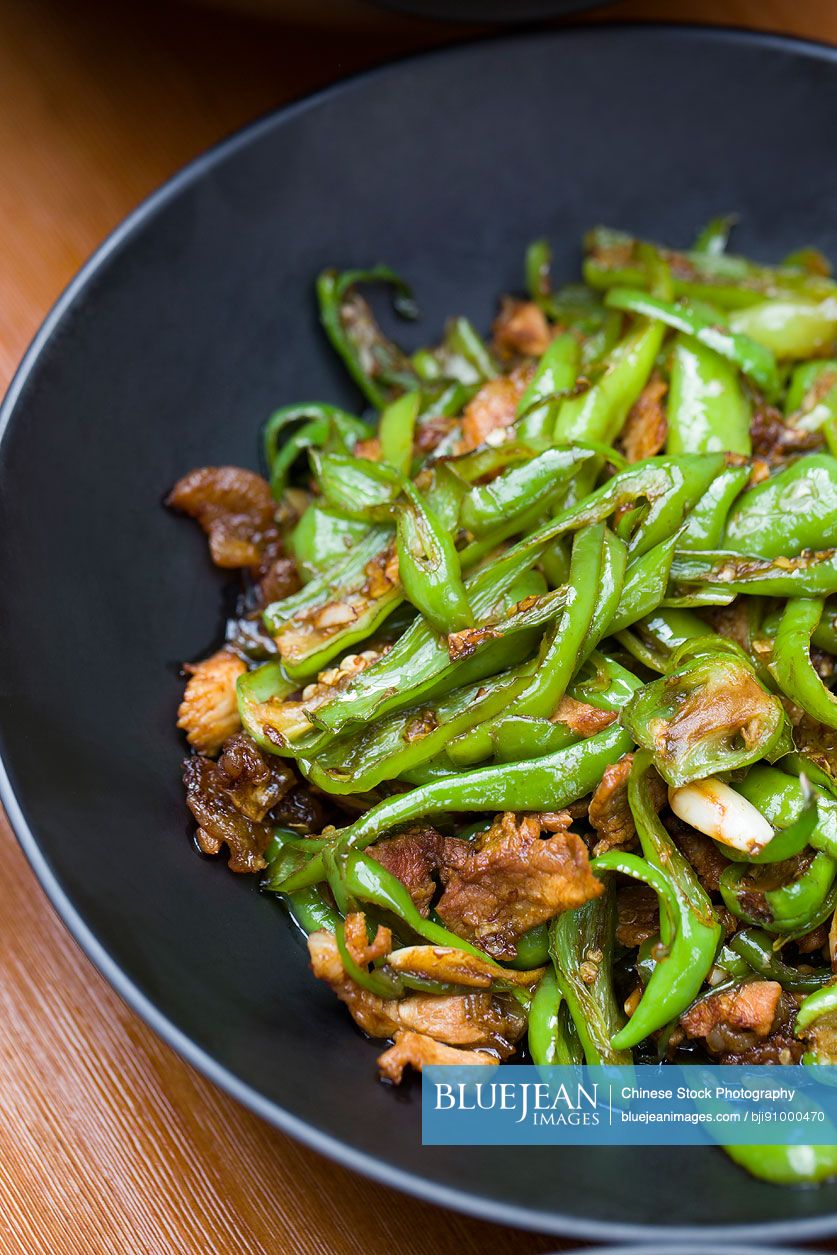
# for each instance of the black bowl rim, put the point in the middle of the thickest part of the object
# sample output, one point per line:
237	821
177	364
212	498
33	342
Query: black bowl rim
325	1144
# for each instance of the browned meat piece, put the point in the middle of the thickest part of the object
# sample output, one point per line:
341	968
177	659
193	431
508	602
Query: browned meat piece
816	939
257	782
510	879
299	809
773	439
778	1048
276	576
369	449
637	915
732	621
726	919
416	1050
702	853
208	713
491	410
228	800
609	812
582	719
474	1019
234	507
732	1020
646	428
431	432
815	741
413	857
520	330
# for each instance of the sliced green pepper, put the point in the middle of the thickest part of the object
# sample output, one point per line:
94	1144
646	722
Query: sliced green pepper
709	714
429	566
791	666
790	327
581	943
707	410
379	368
752	358
789	512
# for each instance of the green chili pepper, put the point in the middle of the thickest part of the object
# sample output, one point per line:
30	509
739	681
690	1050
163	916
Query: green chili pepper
736	966
689	929
554	378
646	580
811	398
396	427
753	359
520	736
594	580
816	1021
261	695
811	574
704	527
791	665
551	1031
796	906
654	638
429	566
309	909
675	717
756	946
561	658
581	943
517	490
707	410
378	367
728	281
713	239
322	587
546	783
791	511
356	487
463	355
325	426
368	881
538	278
799	816
322	538
419	665
600	413
608	687
787	1165
602	681
361	759
532	948
825	633
790	327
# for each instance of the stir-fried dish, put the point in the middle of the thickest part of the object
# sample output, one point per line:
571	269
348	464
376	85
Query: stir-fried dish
525	713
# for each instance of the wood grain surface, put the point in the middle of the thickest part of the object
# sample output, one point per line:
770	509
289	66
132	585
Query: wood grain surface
108	1141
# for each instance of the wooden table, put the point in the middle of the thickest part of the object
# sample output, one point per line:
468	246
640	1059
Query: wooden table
108	1141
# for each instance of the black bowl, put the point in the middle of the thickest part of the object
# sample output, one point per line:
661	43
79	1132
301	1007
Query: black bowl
167	352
